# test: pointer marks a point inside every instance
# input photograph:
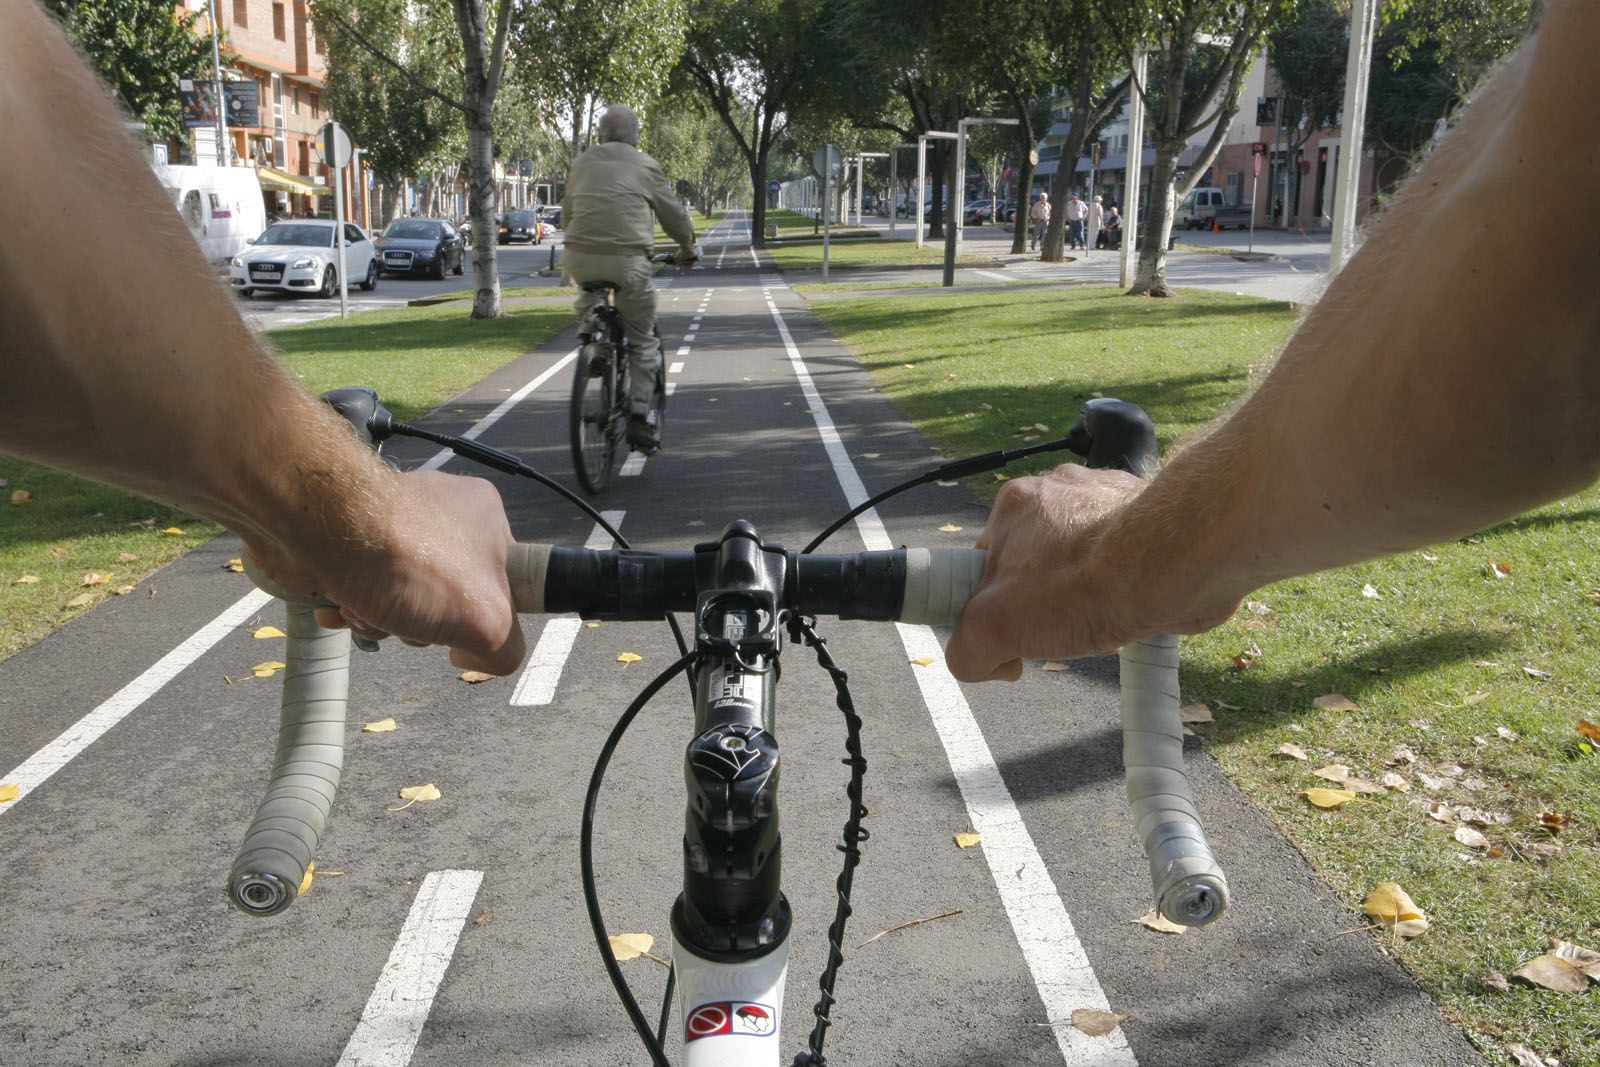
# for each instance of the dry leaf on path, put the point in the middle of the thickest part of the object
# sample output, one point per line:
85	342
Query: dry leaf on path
1094	1022
1466	835
268	631
949	527
591	626
1154	920
1333	772
1393	907
630	946
1336	702
1292	751
382	726
923	661
1195	713
418	794
234	565
122	590
474	677
967	840
305	883
1552	972
9	792
1328	799
626	658
266	669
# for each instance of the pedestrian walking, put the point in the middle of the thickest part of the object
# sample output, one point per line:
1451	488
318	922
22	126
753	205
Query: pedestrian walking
1038	219
1077	211
1097	216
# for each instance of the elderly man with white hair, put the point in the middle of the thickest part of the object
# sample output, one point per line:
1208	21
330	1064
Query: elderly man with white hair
612	191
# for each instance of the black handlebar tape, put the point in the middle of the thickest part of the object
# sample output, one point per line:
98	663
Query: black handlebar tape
282	839
939	581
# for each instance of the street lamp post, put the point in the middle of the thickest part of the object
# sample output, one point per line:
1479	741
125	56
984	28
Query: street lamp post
1131	167
221	100
1363	16
961	175
894	184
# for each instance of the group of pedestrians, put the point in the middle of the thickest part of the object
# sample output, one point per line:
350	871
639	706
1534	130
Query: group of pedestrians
1086	223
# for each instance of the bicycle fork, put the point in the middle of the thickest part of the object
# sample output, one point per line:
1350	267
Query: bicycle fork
730	925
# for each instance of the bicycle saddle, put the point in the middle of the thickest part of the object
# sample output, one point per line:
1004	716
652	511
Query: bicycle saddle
599	287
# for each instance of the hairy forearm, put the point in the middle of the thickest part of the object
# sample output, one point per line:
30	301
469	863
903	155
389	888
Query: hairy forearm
1447	380
124	359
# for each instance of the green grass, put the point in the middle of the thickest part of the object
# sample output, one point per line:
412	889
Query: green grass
863	253
866	287
415	358
1435	662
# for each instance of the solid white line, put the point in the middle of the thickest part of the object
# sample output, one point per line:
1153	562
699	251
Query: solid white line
633	466
676	368
443	455
37	768
398	1008
537	686
992	274
1039	919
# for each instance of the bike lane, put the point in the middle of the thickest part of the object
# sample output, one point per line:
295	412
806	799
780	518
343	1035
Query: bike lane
523	986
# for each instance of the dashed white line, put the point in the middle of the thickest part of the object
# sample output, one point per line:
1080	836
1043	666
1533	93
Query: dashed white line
683	350
537	686
676	368
672	387
633	466
398	1008
1061	970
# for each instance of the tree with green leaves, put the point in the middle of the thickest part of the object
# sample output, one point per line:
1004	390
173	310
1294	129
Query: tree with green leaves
1201	51
756	64
1310	54
481	68
142	48
693	147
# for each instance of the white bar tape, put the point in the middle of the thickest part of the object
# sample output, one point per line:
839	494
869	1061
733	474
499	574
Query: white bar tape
939	582
1190	888
526	566
282	839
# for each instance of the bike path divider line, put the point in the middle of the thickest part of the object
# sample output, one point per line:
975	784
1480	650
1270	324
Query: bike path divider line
443	456
39	767
398	1009
1060	967
537	686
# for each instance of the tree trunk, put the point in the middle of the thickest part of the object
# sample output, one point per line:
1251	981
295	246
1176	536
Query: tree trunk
1019	225
1152	275
388	200
758	206
481	204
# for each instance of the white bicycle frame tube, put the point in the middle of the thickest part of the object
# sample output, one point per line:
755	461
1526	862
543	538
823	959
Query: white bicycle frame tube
730	1014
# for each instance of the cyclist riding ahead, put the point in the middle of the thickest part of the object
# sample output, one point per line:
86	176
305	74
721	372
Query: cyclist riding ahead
612	191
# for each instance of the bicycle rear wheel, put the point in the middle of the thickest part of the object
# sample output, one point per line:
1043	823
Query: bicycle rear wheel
593	416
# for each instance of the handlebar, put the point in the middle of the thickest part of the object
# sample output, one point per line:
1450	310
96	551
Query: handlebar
914	585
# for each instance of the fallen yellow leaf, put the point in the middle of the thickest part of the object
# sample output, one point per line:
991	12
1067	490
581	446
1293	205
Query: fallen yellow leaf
967	840
1333	772
1393	907
9	792
382	726
626	658
630	946
26	579
234	565
591	626
1293	751
418	794
266	669
305	883
1154	920
173	531
949	527
1094	1022
474	677
1001	477
95	578
81	600
268	631
1552	972
923	661
127	557
1336	702
21	496
1329	799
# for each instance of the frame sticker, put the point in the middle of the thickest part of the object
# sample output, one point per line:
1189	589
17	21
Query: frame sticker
730	1018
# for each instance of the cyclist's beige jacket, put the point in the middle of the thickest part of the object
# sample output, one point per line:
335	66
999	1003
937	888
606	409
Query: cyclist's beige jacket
610	194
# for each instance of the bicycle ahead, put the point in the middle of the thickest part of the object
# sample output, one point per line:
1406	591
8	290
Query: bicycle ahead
748	598
599	410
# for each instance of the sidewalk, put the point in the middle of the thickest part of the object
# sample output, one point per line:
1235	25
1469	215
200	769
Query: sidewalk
1292	269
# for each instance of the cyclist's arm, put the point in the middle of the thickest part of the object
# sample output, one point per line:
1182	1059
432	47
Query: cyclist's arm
674	219
1448	379
124	361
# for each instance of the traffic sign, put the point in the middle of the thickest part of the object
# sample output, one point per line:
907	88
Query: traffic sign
774	186
334	146
1258	151
826	161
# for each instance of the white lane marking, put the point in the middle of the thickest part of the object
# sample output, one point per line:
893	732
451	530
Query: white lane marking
992	274
441	457
672	387
37	768
697	318
537	686
633	466
676	368
398	1008
1060	967
683	350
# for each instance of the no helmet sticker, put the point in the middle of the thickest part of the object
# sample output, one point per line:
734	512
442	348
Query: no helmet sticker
736	1017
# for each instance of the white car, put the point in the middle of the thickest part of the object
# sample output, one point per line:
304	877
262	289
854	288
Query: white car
300	256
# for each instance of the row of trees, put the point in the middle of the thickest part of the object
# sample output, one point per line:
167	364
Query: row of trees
736	91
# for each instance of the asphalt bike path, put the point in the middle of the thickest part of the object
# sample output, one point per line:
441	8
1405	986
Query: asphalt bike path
456	932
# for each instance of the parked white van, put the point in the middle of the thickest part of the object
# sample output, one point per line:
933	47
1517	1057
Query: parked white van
222	206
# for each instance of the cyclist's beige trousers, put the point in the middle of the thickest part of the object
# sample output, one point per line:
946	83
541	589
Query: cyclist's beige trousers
636	298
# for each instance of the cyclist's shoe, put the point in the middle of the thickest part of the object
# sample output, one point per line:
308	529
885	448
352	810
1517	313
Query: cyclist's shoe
642	434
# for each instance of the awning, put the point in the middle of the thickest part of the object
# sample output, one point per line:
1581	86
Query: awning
290	183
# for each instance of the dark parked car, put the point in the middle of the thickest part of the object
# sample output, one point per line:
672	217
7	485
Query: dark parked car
1006	211
551	216
977	212
421	246
521	225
